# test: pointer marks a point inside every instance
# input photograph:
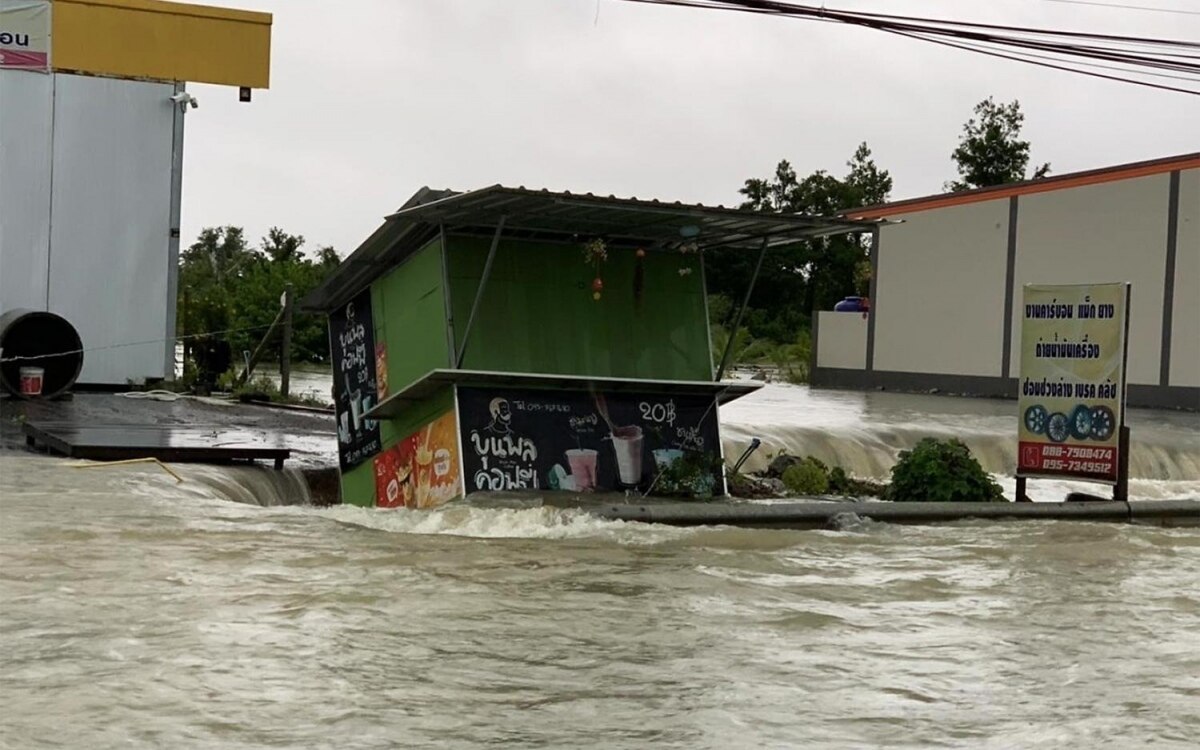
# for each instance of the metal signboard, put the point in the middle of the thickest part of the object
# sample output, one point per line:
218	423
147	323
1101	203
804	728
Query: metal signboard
1072	385
352	344
423	469
587	442
25	34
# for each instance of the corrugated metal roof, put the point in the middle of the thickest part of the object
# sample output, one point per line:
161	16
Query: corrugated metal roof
563	216
1044	185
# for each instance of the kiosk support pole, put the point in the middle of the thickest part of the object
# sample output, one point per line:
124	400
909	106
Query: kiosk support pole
737	323
483	281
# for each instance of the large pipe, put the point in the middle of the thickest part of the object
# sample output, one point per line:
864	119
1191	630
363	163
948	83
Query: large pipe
26	338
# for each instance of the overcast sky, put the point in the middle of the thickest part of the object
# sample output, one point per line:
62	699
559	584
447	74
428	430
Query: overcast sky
372	99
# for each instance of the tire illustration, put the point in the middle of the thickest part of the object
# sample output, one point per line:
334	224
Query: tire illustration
1035	419
1081	422
1104	423
1058	427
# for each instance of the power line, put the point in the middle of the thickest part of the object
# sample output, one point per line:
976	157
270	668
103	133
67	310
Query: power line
1030	57
1135	58
82	350
1122	6
1053	66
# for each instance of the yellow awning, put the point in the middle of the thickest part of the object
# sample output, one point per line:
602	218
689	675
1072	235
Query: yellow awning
158	40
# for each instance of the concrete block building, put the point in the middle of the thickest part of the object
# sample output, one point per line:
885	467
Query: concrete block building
948	278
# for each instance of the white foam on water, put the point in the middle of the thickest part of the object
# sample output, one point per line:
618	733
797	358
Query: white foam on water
249	485
461	519
1055	490
864	433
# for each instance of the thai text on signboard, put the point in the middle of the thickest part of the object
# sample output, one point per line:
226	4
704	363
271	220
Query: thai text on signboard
25	35
586	442
355	391
1072	384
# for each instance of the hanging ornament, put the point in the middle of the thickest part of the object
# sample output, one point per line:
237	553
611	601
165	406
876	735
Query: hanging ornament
595	253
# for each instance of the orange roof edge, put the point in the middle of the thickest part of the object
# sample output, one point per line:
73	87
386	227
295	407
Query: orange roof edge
1046	184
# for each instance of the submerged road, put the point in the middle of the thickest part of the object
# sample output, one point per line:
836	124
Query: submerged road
835	515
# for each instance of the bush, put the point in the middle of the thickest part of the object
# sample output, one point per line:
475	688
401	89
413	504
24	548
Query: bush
941	471
839	482
807	477
692	475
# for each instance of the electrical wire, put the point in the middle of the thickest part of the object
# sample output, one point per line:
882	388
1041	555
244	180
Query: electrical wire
32	357
1021	57
1053	66
1129	59
1122	6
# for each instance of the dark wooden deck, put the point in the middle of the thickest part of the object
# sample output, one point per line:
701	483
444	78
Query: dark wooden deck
170	443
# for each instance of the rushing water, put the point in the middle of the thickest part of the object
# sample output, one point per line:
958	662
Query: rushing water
865	432
141	612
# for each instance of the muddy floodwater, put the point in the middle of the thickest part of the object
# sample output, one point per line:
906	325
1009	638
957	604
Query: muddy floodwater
141	612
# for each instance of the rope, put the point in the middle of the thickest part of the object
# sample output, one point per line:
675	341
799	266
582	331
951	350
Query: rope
128	461
154	395
32	357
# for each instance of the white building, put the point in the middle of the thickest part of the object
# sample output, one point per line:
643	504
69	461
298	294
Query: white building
92	112
946	288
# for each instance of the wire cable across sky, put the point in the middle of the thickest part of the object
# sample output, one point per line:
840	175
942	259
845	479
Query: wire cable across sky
1136	60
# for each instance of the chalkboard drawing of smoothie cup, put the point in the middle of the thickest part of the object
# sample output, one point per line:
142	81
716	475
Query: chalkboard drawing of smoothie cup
365	404
355	405
559	479
583	468
627	444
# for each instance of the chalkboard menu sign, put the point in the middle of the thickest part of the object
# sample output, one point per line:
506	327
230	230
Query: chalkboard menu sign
585	442
352	343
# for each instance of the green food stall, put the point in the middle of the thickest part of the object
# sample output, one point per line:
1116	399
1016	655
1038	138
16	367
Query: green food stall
514	339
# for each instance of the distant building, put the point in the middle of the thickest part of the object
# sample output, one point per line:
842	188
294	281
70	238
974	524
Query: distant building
946	288
92	110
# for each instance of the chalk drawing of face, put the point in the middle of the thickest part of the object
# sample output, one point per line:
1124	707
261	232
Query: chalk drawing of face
501	415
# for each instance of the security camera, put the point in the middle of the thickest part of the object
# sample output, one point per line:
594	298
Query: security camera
183	99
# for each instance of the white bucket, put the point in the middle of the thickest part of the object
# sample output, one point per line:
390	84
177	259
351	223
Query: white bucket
31	381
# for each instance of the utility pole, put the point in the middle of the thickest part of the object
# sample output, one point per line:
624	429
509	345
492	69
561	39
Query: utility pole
187	342
285	348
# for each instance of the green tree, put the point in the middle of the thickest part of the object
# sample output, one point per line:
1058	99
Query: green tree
215	262
990	150
234	291
815	274
282	247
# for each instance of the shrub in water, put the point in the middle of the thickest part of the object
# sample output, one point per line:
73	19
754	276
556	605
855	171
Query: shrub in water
808	477
941	471
694	474
839	482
